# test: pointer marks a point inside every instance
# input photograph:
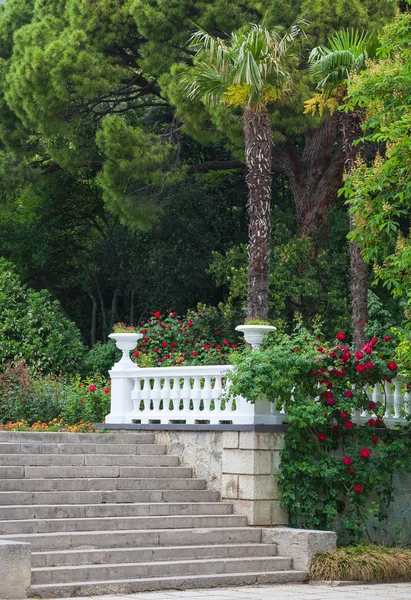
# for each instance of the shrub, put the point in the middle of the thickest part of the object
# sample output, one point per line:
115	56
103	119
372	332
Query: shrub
36	398
197	338
362	563
33	329
333	474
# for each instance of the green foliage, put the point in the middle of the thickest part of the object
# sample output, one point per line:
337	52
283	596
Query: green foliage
34	398
379	194
333	474
199	338
33	329
299	283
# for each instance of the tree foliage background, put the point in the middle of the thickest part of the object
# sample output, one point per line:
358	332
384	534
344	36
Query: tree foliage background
119	195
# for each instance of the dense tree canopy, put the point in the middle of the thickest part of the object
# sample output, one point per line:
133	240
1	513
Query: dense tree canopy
99	139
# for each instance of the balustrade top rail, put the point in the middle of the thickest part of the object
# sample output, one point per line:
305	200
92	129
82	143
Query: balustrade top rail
198	394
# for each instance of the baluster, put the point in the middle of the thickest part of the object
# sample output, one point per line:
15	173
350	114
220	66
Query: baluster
156	398
185	397
146	398
377	396
175	396
398	400
166	395
389	400
207	397
407	401
195	414
216	393
136	397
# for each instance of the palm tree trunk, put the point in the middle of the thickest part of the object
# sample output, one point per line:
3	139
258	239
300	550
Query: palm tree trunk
258	149
351	130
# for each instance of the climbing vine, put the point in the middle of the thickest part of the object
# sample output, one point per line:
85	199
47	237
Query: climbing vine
335	473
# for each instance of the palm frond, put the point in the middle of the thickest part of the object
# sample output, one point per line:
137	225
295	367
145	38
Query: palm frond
204	82
346	53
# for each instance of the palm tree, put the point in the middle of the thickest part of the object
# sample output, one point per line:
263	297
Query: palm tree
249	70
333	66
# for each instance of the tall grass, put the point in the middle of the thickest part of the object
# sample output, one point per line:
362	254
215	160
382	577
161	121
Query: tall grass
362	563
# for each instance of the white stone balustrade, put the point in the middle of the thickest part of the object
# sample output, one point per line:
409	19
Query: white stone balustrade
199	394
182	394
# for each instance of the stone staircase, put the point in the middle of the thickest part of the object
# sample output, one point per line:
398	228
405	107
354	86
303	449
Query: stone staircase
114	513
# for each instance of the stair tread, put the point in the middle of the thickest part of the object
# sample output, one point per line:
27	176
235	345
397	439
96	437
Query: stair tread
108	518
143	548
159	563
171	578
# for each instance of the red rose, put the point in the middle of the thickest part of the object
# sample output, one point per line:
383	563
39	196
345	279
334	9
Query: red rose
217	332
330	401
378	422
106	390
218	347
226	343
347	460
91	387
146	339
195	353
160	360
168	355
365	452
164	344
374	439
190	324
348	394
327	394
371	405
173	345
358	488
344	414
320	349
358	524
369	365
174	314
387	338
340	336
374	340
359	355
392	366
143	331
348	424
157	314
321	437
346	356
156	350
234	346
207	347
371	422
360	368
136	353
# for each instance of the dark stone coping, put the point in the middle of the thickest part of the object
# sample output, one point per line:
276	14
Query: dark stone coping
185	427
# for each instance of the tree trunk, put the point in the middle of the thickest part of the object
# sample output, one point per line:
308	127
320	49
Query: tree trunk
350	124
258	150
315	176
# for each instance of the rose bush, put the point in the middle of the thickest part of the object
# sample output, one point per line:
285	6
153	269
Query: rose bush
334	473
197	338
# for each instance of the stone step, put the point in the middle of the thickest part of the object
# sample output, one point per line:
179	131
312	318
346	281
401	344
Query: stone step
82	511
93	472
159	569
130	555
132	538
145	483
101	497
76	438
129	586
38	447
94	460
119	523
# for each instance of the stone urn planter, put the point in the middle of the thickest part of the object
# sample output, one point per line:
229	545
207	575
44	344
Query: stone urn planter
126	342
253	334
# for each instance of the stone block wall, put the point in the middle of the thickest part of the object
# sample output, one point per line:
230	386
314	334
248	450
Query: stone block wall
238	464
